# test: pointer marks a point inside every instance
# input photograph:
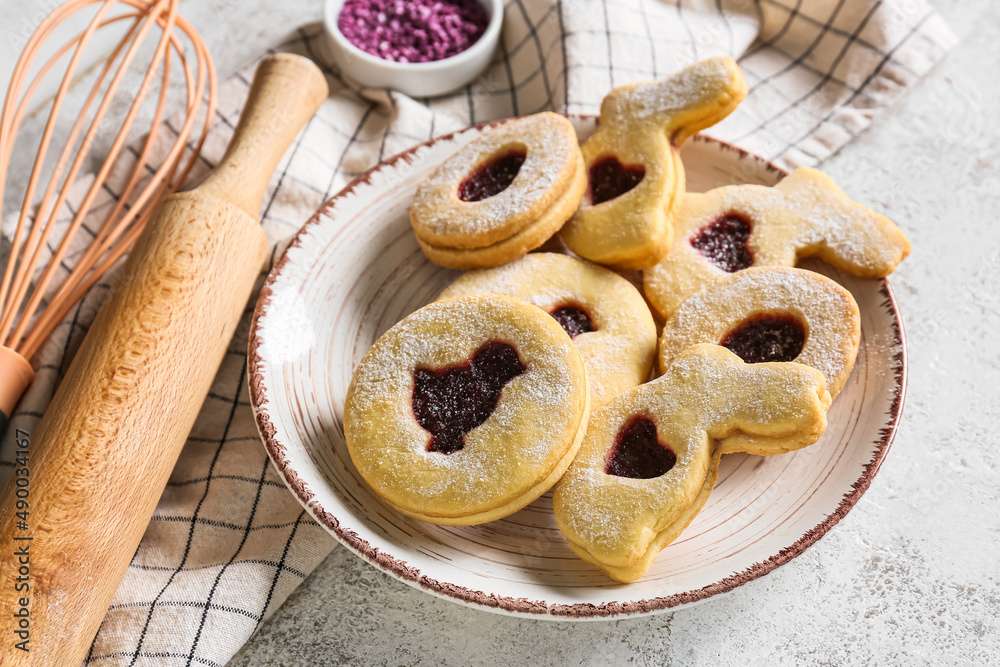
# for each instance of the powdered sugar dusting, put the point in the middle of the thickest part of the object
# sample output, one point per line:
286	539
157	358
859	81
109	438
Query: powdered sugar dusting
690	87
619	352
551	158
528	431
837	226
825	308
707	394
805	215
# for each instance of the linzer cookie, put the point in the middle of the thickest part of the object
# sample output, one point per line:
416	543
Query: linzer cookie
502	195
634	169
771	314
467	410
651	457
603	313
740	226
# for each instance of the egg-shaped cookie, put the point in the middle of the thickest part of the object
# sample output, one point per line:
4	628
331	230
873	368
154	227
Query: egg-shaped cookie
501	195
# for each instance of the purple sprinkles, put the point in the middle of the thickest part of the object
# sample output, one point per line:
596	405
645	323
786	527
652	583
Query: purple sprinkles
413	31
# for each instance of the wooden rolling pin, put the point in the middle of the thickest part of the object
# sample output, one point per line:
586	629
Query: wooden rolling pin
102	454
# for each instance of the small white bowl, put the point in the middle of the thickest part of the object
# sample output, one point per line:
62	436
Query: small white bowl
414	79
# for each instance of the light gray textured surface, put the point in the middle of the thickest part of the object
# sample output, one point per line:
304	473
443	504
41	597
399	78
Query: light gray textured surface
911	575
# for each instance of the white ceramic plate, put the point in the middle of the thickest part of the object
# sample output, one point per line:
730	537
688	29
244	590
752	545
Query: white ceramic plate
355	269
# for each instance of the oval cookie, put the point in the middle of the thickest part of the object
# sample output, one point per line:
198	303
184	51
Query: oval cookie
501	195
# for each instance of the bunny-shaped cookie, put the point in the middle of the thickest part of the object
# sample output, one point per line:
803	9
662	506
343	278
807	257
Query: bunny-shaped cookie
739	226
651	457
635	172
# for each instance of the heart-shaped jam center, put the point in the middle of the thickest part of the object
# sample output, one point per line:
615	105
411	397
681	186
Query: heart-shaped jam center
450	402
492	177
638	452
768	337
724	243
573	319
609	178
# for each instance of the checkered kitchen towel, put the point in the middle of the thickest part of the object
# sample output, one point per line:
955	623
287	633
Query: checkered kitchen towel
228	542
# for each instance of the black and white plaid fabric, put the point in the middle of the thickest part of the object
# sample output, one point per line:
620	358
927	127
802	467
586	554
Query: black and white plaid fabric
228	542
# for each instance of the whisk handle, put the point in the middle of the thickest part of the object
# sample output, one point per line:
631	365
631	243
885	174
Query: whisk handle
104	450
286	92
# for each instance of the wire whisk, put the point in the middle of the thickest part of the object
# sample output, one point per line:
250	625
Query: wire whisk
31	308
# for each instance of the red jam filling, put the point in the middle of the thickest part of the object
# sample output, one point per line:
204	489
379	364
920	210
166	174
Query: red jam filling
609	178
638	452
724	243
450	402
492	177
769	337
574	320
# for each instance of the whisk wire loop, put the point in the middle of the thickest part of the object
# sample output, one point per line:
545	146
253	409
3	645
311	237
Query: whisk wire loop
32	301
